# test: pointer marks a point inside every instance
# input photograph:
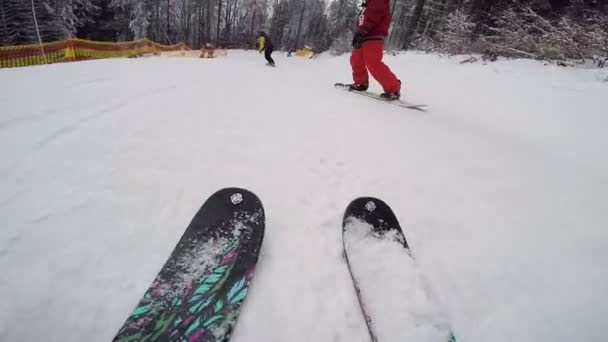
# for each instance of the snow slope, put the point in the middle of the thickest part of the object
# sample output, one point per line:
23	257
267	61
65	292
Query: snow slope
501	189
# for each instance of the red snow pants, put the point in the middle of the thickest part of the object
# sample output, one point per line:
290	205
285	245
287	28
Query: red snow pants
369	57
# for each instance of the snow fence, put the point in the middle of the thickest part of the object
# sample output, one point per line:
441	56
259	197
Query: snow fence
79	49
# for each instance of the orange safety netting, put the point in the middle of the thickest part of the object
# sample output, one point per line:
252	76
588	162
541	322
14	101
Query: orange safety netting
78	49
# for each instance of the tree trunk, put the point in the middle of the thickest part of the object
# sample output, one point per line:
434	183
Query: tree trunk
208	23
219	21
200	24
228	19
168	22
411	27
186	13
300	26
275	20
233	19
4	36
252	22
157	34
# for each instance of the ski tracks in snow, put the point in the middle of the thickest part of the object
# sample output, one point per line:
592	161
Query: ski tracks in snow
114	108
97	193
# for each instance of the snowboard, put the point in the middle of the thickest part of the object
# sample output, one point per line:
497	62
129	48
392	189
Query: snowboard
400	103
394	297
197	295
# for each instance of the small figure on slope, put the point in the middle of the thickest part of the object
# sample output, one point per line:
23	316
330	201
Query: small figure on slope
372	28
265	44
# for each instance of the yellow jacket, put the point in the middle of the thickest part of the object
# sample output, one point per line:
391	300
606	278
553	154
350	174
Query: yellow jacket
261	43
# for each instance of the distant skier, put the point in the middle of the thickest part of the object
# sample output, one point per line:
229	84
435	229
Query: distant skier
372	27
265	44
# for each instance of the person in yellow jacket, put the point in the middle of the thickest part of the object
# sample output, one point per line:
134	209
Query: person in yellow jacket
265	44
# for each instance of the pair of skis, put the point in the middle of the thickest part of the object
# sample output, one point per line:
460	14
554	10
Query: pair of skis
198	293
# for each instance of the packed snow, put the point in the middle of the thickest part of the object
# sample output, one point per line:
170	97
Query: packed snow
501	189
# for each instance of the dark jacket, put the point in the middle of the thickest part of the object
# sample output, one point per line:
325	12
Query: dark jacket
375	18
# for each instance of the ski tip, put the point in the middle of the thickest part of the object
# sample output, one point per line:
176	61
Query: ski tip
363	207
236	194
229	205
373	211
233	199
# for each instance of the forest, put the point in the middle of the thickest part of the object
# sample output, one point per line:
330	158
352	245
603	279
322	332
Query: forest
539	29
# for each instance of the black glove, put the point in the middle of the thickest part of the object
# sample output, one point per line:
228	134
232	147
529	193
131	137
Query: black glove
358	39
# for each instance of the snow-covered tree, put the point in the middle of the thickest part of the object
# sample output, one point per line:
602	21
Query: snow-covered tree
316	25
56	20
545	29
455	35
341	17
139	20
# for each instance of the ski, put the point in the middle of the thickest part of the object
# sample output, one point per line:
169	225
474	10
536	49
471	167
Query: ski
198	293
394	297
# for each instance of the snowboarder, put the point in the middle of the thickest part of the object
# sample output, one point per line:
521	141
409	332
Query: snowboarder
265	44
372	28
